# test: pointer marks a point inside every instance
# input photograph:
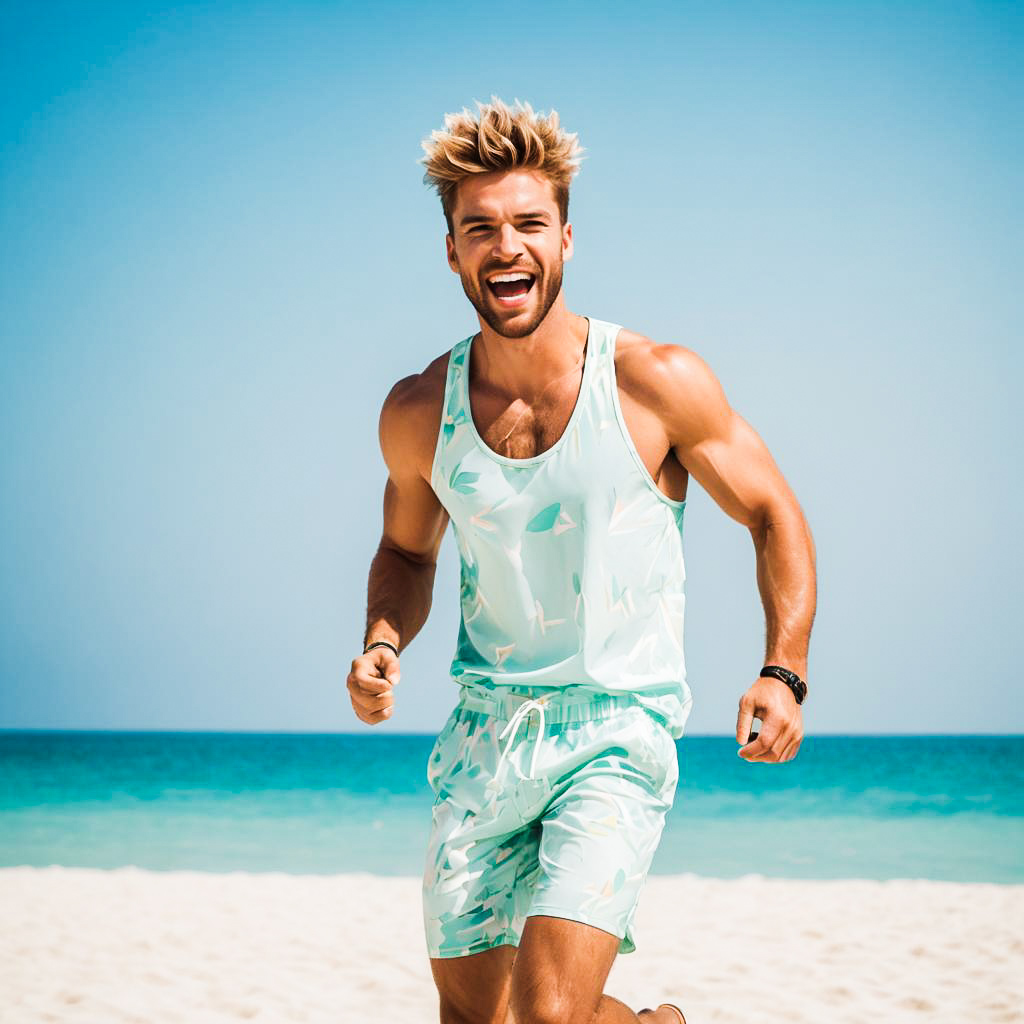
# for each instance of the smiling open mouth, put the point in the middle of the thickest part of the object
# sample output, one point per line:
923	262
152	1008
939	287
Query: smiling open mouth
511	289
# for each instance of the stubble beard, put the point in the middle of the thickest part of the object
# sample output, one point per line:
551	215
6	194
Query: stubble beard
551	287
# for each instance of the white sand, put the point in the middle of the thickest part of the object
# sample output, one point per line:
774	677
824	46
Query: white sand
131	945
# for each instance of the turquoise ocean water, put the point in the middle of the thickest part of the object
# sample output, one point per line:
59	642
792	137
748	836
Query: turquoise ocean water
941	807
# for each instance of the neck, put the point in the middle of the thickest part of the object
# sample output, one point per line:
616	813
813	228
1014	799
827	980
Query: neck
522	367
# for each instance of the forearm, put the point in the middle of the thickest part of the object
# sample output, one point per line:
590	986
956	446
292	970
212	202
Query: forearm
786	579
398	599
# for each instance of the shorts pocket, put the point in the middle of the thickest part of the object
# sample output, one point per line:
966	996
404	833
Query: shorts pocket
662	752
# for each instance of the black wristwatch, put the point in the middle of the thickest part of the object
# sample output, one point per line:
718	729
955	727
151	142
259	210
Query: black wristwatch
791	679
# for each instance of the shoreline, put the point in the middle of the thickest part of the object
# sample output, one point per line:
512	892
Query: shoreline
133	944
366	876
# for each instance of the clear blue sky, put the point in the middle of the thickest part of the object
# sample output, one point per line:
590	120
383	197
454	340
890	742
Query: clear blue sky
218	254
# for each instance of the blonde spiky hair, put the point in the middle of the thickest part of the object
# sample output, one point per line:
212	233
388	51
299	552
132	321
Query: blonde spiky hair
500	138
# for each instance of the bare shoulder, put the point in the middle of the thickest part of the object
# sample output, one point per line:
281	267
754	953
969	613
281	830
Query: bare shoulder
663	372
410	418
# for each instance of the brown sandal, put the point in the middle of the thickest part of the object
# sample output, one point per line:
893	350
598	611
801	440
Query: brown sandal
672	1006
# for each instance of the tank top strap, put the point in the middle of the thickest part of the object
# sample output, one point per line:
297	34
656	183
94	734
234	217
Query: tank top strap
602	397
454	413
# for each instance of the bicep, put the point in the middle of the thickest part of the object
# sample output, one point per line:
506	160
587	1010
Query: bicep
718	447
735	467
414	518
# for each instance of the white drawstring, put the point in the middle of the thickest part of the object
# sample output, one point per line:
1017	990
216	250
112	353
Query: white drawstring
521	712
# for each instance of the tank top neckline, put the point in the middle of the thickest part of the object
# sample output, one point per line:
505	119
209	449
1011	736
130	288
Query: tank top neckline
589	359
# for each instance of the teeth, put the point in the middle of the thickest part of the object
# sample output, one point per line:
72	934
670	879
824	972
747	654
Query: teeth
510	277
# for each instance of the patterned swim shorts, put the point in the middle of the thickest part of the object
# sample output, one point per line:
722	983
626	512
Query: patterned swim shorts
553	806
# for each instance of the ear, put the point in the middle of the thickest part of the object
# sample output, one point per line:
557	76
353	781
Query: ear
450	254
567	243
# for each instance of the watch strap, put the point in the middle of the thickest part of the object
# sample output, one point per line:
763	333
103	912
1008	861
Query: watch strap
791	679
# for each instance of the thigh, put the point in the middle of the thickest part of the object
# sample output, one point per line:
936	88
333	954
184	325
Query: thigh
561	970
481	861
601	829
475	989
477	887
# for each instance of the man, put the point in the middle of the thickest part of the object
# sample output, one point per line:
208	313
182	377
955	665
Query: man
560	446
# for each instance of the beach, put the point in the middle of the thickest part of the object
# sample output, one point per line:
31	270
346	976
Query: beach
89	945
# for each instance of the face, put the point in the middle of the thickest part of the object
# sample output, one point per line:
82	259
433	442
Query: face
508	248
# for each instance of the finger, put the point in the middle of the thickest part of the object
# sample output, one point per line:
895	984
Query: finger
792	747
752	741
368	681
370	704
777	749
370	701
380	663
761	748
384	662
388	665
744	719
794	736
375	713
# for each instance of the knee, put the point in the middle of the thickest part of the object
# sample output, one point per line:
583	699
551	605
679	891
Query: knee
547	1008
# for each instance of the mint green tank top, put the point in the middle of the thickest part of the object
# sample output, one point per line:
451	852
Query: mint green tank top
572	561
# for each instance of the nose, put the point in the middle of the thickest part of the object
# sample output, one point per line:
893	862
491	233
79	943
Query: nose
508	244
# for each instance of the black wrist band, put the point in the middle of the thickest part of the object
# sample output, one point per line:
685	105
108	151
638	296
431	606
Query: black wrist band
381	643
791	679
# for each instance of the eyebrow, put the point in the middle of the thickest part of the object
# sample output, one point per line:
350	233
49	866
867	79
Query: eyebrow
477	219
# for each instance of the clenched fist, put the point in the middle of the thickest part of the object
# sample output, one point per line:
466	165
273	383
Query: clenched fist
782	723
373	677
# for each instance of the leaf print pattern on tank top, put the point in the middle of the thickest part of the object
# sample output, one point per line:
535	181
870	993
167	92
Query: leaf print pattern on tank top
572	571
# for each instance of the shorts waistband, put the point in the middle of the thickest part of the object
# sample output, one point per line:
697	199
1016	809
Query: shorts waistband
558	705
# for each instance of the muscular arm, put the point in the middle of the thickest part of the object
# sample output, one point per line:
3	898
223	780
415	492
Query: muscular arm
402	572
731	462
